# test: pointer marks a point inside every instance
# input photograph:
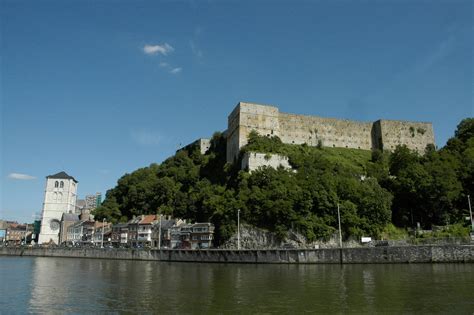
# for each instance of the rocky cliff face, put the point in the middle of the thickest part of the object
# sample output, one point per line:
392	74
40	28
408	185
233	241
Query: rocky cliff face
255	238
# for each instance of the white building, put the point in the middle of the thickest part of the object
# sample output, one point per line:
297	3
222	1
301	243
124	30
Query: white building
93	201
59	197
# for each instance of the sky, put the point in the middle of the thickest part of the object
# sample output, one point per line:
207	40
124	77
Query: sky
101	88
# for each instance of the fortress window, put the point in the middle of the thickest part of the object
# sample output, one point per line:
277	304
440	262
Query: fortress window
61	185
56	184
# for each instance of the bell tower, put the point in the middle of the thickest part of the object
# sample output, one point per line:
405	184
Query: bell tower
59	197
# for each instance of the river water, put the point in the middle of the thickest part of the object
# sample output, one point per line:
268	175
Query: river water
58	285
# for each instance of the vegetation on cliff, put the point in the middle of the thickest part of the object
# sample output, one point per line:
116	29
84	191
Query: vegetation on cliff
373	189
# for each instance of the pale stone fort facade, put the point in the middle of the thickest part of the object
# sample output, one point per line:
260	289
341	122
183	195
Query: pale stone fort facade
327	132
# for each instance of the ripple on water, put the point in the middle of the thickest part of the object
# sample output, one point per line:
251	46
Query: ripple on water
45	285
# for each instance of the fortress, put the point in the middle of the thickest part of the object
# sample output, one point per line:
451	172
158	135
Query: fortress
328	132
267	120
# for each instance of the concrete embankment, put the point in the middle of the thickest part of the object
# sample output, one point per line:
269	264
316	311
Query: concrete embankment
372	255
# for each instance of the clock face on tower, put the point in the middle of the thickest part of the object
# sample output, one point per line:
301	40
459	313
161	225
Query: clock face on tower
54	225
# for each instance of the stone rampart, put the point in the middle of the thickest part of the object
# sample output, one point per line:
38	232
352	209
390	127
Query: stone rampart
253	160
312	130
202	144
366	255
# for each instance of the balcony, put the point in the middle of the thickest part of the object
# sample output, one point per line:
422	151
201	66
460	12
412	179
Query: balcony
148	231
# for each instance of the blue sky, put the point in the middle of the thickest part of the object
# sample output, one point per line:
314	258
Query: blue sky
101	88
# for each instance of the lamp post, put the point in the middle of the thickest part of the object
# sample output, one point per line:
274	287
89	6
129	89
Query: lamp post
470	212
339	220
103	227
159	234
238	228
26	232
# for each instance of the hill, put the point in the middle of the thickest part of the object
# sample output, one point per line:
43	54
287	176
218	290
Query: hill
373	189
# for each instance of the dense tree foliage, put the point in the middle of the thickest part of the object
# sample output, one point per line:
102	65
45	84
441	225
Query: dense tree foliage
432	189
372	189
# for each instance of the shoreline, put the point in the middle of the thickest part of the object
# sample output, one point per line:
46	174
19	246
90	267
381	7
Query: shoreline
367	255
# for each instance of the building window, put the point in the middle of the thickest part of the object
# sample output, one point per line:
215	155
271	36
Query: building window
56	184
61	185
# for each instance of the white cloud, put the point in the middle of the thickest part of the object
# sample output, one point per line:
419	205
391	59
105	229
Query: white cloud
164	49
19	176
164	65
146	137
176	70
196	51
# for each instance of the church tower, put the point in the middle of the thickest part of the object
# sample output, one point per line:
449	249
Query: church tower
59	197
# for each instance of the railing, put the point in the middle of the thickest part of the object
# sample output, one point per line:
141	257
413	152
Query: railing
144	238
144	231
423	241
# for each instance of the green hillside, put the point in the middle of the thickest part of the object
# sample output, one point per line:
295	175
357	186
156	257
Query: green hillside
373	189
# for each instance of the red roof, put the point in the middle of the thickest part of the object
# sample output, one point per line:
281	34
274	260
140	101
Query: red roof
147	219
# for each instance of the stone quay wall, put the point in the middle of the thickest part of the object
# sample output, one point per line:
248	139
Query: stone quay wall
329	132
368	255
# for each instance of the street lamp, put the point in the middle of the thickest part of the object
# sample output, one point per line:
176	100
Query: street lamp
159	234
339	220
26	231
238	229
470	212
103	225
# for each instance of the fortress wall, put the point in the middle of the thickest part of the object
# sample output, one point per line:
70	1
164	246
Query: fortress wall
203	144
245	118
415	135
299	129
263	119
254	160
233	134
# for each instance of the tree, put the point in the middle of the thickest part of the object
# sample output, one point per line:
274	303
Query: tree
372	188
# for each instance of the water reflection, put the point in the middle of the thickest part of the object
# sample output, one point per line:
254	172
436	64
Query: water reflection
61	285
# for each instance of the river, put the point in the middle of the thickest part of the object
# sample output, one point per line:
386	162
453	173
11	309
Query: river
58	285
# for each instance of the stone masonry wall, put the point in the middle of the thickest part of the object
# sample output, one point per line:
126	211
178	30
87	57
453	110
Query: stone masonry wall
415	135
299	129
253	160
202	143
312	130
371	255
245	118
